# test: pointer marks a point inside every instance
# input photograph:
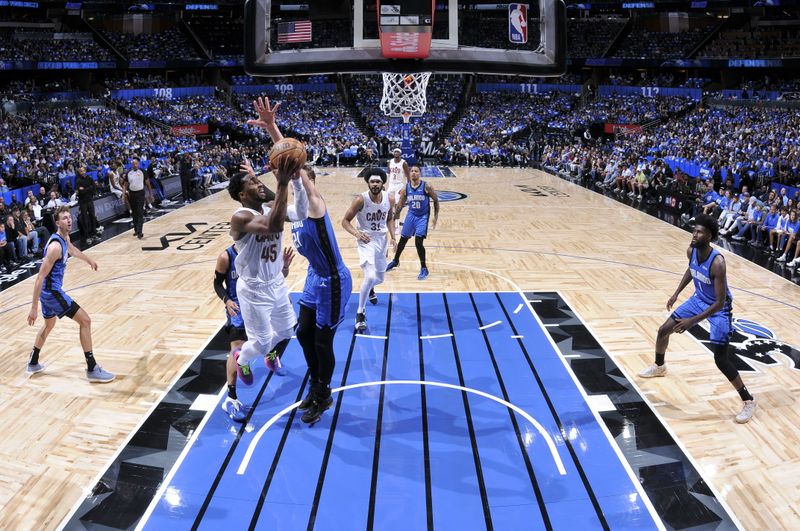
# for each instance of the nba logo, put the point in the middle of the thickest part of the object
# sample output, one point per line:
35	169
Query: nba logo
518	23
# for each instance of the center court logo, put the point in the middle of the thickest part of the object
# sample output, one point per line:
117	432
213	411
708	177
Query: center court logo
446	196
754	344
541	191
196	242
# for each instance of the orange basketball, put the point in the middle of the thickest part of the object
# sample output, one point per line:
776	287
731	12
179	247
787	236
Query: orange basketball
287	155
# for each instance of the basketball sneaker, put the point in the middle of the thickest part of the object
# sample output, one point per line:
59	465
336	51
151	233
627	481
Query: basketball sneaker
235	410
361	322
423	274
273	363
391	265
98	375
307	401
34	368
244	371
373	298
748	408
317	408
654	371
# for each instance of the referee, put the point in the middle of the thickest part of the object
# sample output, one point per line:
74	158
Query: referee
134	187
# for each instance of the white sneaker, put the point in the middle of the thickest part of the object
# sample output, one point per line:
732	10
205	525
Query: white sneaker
793	263
639	196
781	258
748	409
654	371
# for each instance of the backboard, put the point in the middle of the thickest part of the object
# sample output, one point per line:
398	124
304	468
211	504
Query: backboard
292	37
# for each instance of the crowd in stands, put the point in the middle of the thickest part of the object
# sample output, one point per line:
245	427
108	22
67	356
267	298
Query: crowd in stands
756	43
136	80
170	44
190	110
250	80
621	109
643	44
591	37
222	35
40	45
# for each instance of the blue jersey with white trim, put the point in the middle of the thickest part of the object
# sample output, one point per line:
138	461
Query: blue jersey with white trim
417	199
55	279
314	238
703	280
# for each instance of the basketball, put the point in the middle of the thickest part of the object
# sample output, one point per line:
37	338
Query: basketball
287	155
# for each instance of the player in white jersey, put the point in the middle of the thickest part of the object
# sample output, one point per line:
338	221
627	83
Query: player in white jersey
398	174
374	213
258	232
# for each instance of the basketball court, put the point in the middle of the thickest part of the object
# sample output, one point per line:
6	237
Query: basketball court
551	313
499	393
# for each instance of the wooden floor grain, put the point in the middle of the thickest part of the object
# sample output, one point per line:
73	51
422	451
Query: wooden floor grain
152	311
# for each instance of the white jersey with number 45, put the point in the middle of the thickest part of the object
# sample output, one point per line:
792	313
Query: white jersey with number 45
260	258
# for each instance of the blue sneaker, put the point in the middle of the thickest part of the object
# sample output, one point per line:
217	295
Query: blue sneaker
423	274
235	409
391	265
98	375
33	369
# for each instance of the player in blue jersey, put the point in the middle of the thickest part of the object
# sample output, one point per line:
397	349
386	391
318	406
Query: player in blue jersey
419	195
326	291
56	303
225	278
711	300
324	300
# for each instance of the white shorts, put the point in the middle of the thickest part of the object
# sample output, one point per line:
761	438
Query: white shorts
266	309
373	252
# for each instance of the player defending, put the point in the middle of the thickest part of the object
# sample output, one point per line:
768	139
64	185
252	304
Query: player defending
56	303
418	194
225	277
711	300
374	211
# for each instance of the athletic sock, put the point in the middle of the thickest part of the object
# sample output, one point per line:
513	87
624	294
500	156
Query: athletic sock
744	393
34	359
90	363
232	392
660	359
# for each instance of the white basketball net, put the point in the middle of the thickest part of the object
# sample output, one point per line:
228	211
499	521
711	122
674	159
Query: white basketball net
404	93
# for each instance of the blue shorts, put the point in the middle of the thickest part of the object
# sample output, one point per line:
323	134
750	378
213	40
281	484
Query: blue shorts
721	322
327	296
414	226
56	303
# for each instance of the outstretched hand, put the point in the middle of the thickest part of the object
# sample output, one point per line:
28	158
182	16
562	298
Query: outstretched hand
247	167
266	113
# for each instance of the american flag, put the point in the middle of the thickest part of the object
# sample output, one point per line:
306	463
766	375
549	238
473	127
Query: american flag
294	31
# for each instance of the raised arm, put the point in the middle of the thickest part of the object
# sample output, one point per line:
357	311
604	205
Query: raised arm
299	210
266	118
245	222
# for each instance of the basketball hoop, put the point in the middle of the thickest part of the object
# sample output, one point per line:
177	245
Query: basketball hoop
404	94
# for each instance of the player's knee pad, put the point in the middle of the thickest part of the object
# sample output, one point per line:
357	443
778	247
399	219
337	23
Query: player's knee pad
723	361
379	276
370	275
253	349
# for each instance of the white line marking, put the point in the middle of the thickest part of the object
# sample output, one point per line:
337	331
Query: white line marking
546	436
87	491
436	337
634	480
519	307
535	300
552	325
204	403
371	337
484	327
517	337
572	355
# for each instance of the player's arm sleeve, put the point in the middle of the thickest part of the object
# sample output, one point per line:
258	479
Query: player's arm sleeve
219	285
299	210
